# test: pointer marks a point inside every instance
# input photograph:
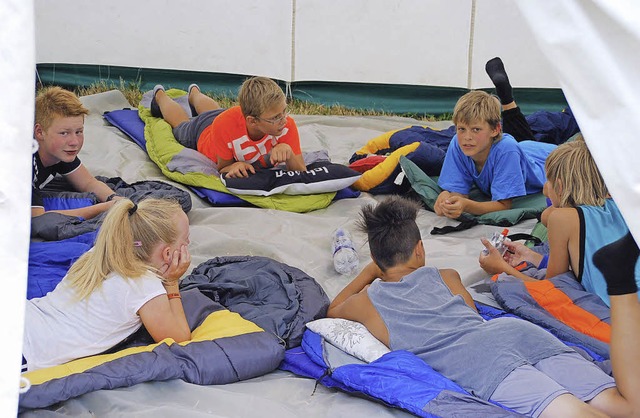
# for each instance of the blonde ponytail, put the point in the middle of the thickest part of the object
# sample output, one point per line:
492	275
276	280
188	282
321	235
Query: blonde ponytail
124	245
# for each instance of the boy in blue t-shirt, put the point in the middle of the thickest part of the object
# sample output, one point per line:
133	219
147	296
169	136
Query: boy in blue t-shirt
481	155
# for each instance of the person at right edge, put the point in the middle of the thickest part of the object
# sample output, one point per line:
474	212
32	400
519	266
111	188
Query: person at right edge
617	262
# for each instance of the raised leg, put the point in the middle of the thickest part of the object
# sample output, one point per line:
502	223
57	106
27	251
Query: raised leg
498	75
513	121
200	101
170	111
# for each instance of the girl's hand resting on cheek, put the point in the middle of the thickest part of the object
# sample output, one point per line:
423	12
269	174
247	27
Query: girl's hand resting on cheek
177	266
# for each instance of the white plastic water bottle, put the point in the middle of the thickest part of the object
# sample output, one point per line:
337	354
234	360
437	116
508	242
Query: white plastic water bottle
498	240
345	256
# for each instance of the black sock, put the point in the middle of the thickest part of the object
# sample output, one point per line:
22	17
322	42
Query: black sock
498	75
155	108
617	263
194	112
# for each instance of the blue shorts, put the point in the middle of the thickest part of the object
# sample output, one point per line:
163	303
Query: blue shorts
529	389
188	132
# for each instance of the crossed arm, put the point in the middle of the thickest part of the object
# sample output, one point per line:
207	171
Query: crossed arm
354	304
82	181
452	205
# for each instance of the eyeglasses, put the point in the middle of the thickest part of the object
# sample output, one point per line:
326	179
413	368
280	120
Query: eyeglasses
277	119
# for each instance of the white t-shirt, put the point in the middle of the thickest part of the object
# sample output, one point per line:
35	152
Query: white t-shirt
59	328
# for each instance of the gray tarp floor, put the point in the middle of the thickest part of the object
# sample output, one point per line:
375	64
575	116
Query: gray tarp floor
300	240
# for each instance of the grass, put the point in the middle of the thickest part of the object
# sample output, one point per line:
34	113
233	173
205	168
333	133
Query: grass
133	94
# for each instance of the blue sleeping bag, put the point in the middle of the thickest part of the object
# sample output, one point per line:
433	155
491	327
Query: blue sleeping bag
224	348
49	261
398	379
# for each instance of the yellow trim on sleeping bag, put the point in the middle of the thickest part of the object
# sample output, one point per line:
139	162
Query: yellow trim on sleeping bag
162	146
216	325
375	176
378	143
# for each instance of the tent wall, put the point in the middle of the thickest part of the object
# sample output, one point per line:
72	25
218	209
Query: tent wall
592	45
16	123
416	42
597	66
379	41
320	48
192	35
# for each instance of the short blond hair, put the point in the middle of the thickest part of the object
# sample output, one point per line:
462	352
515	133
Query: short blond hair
52	102
478	106
258	94
580	180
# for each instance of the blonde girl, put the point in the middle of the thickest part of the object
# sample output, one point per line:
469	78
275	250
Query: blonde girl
582	219
127	280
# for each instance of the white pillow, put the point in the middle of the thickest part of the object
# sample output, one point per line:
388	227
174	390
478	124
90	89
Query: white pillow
349	336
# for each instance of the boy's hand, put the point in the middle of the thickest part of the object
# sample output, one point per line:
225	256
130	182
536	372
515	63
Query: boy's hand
437	207
453	206
492	263
240	169
177	266
281	153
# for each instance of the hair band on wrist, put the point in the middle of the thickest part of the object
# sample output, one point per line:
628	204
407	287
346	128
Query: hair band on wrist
133	209
174	296
111	196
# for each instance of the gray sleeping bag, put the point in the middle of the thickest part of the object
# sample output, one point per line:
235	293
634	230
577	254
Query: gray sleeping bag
53	226
277	297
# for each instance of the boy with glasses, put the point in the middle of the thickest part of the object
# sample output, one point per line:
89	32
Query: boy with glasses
256	134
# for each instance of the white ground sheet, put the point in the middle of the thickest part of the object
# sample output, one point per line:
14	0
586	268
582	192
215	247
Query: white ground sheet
300	240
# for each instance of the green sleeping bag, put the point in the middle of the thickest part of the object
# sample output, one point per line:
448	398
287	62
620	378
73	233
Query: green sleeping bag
524	207
162	147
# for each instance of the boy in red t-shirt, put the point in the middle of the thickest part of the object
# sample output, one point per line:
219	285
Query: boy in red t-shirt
256	134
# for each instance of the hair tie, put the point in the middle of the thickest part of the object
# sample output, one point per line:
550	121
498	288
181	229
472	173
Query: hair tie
137	243
133	209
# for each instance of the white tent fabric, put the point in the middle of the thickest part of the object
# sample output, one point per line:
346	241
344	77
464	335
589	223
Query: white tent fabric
17	60
594	46
413	42
589	48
